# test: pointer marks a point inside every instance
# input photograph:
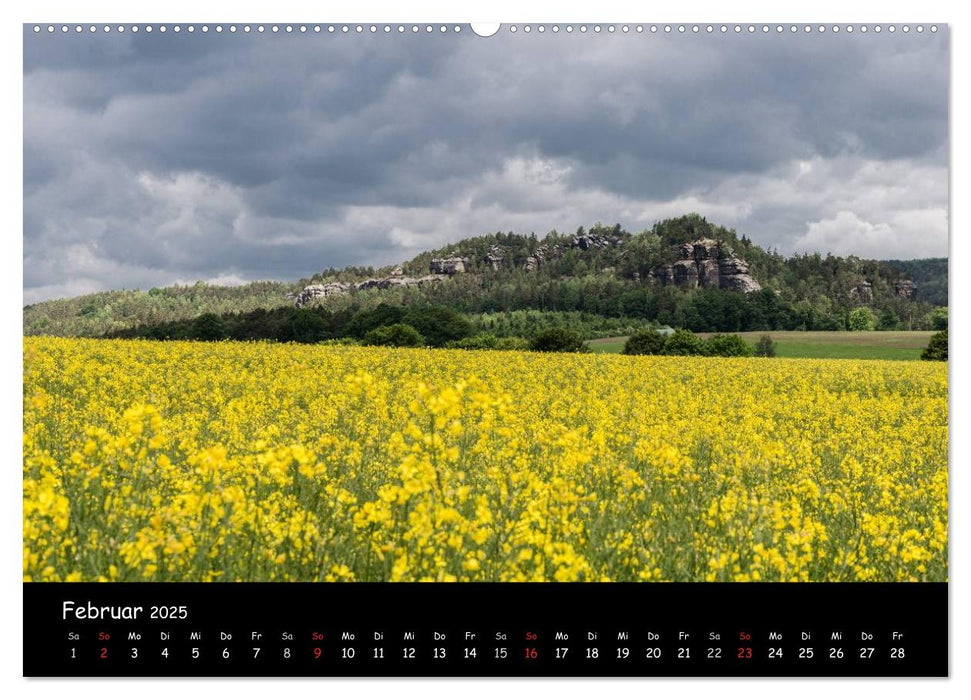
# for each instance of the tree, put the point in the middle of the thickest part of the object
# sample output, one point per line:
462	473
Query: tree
208	327
937	348
728	345
558	339
645	342
937	319
769	311
642	253
683	342
861	319
438	324
368	319
309	326
889	320
399	335
765	347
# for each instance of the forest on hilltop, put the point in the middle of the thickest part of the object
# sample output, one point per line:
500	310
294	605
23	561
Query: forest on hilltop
604	279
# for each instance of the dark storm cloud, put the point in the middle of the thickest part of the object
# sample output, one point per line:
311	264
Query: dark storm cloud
156	157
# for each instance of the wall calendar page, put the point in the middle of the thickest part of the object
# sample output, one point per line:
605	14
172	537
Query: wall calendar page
512	350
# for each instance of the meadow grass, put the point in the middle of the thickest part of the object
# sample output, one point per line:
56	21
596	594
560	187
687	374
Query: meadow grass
846	345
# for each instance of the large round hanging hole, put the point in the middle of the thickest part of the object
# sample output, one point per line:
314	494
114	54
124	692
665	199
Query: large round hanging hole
485	29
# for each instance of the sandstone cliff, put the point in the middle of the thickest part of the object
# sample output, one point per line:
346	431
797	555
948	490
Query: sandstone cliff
320	291
706	263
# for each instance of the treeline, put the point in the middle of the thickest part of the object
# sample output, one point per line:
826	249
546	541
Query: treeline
438	326
700	310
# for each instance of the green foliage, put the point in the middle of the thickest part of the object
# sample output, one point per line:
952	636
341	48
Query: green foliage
645	342
309	327
937	319
643	252
689	227
367	320
861	319
765	347
558	340
937	348
600	290
930	275
399	335
438	324
888	320
208	327
684	342
283	325
730	345
120	310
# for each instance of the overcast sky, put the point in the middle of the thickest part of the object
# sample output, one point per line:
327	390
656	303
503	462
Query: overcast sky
152	159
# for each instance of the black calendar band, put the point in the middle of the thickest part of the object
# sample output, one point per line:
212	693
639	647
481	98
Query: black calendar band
486	629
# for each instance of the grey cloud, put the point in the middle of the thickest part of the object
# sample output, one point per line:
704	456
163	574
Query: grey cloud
154	158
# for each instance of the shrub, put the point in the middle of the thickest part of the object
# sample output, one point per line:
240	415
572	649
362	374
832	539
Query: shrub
208	327
728	345
861	319
645	342
937	348
765	347
683	342
558	340
399	335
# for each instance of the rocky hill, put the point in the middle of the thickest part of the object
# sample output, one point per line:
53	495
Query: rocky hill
673	272
700	263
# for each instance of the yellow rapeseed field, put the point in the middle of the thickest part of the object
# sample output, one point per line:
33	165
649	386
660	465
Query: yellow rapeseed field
232	461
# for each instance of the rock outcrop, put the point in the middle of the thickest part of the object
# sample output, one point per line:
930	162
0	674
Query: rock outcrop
904	288
320	291
593	241
388	282
706	263
862	292
448	266
588	241
495	256
542	255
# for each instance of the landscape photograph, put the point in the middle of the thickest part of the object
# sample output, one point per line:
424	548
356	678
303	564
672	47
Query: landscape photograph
557	306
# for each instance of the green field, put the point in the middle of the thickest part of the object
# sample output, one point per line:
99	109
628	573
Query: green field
865	345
